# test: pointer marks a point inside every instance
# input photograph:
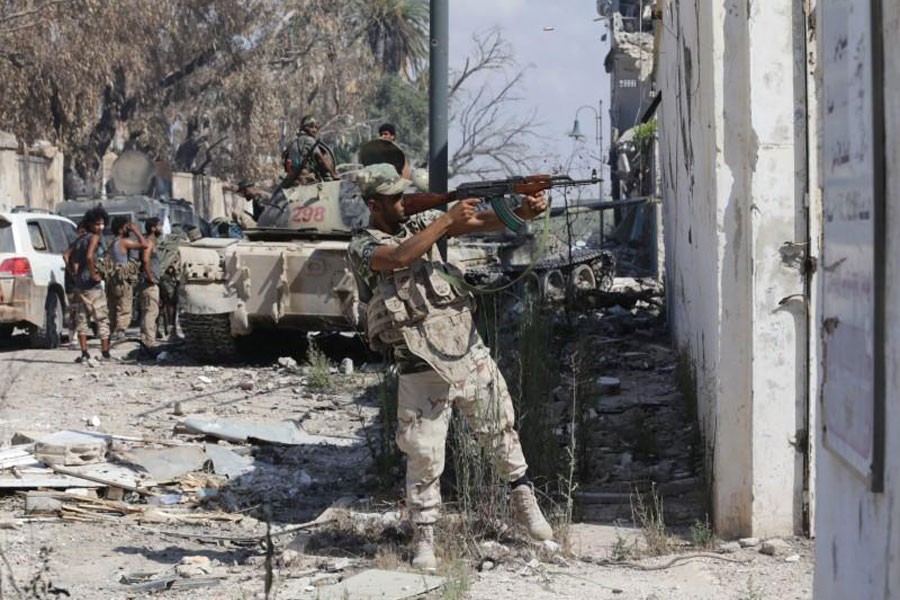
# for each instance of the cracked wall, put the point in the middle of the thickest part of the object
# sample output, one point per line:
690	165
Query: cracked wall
732	177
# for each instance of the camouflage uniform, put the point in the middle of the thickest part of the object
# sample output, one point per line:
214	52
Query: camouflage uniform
302	154
428	324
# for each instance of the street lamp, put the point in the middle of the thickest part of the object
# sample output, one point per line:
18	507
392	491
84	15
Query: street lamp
576	135
598	131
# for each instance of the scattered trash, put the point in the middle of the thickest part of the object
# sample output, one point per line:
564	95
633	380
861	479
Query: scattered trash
347	366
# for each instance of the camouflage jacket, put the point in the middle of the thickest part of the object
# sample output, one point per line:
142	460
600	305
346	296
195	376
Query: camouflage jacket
302	154
417	311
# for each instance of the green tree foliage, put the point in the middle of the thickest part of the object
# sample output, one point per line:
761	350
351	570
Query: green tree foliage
398	101
396	31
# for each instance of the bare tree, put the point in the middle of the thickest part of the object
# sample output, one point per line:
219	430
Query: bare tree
486	112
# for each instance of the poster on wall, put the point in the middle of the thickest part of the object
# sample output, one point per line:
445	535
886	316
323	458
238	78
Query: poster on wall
853	246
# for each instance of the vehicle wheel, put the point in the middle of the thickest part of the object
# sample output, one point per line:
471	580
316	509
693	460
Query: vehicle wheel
582	279
48	336
207	338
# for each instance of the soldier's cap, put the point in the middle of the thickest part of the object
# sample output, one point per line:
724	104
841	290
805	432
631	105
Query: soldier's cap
307	121
382	179
244	184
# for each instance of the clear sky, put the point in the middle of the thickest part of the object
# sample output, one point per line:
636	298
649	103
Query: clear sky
561	43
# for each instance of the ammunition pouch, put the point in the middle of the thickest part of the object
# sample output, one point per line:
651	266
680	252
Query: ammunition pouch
419	307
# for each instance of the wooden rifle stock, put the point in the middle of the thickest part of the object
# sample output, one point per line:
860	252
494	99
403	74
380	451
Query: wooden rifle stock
422	201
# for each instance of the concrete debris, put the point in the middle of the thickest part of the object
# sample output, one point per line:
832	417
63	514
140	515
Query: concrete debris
775	547
749	542
288	363
109	474
93	421
385	585
487	565
38	502
227	462
246	385
347	366
71	448
204	379
337	564
285	432
729	547
792	558
167	464
194	566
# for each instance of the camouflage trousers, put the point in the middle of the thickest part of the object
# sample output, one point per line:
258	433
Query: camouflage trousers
92	306
149	314
119	296
424	407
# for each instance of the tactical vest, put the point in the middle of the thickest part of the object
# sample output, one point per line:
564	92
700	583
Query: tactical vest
421	308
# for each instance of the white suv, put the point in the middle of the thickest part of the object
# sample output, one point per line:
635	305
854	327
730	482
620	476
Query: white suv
32	275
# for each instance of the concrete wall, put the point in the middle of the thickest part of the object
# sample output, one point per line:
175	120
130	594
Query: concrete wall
732	180
858	532
34	180
206	194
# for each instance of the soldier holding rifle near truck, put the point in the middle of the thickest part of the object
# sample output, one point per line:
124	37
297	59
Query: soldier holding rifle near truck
416	308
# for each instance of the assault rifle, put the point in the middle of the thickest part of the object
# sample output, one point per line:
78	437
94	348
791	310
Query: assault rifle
495	191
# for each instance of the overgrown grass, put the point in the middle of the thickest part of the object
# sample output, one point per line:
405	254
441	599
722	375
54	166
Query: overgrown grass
702	535
647	514
456	573
319	374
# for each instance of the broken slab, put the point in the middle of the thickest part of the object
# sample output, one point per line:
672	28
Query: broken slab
18	456
167	464
285	432
71	448
227	462
383	585
31	479
109	474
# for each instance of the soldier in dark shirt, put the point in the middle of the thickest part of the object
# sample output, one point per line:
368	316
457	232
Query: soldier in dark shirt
83	261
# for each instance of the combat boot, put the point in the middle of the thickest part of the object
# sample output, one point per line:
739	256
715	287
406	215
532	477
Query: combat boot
423	548
528	514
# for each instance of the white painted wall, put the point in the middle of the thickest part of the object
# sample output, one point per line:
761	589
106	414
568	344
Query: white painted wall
858	532
732	81
206	194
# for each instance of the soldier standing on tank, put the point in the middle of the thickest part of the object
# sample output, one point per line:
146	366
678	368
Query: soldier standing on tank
120	283
414	308
150	275
82	260
308	159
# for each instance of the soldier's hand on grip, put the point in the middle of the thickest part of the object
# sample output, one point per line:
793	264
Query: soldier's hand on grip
463	211
532	206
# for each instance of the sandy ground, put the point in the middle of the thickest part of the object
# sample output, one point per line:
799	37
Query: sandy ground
44	391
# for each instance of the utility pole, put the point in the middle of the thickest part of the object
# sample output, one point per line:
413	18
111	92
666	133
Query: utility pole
438	110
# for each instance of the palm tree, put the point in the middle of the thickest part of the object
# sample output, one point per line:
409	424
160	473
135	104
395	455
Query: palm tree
397	34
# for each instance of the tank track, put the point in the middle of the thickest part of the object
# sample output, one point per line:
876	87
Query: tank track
602	263
207	338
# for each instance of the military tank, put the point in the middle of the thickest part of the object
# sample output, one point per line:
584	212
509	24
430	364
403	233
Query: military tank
138	190
289	273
